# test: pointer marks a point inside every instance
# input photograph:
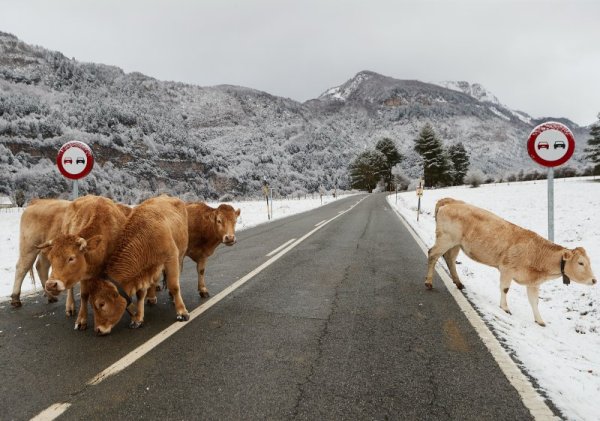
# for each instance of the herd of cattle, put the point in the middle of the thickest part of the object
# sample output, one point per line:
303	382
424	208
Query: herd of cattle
114	251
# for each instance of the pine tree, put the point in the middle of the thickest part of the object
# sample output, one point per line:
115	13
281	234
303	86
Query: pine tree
593	149
436	165
460	163
367	169
387	147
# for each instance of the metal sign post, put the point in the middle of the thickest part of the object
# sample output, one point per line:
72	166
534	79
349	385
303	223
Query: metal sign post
551	144
551	204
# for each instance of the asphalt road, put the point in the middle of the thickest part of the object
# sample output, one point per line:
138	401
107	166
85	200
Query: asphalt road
339	327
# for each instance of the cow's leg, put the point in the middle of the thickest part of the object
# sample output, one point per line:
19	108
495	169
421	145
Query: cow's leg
172	269
81	322
505	281
450	258
42	265
533	293
200	267
70	303
138	319
24	264
441	246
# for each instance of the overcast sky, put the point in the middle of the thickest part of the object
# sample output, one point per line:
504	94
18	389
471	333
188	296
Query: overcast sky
538	56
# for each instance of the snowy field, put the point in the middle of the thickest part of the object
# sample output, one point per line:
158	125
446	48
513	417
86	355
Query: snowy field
253	213
564	356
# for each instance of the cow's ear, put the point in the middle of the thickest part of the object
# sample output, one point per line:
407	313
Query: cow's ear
45	247
237	212
567	255
93	243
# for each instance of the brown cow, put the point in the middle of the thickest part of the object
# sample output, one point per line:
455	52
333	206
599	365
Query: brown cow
154	239
90	231
41	221
207	228
517	253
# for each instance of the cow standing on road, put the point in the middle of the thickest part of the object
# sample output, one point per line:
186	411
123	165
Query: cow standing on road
41	221
91	227
207	228
517	253
154	239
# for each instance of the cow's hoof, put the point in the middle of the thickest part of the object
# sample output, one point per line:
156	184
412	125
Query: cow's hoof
70	313
204	294
428	286
80	326
16	303
460	286
135	324
152	301
542	324
183	317
507	311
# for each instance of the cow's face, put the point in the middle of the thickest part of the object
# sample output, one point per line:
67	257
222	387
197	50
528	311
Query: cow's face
225	219
69	257
578	267
107	304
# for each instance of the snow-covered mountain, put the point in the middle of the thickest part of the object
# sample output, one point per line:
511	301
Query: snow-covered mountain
150	136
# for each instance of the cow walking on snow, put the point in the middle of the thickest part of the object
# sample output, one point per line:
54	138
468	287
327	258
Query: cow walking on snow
517	253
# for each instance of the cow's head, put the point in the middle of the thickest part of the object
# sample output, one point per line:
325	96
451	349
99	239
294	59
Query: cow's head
108	305
70	257
578	267
225	219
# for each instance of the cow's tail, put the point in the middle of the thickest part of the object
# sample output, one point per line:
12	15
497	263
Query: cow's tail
443	202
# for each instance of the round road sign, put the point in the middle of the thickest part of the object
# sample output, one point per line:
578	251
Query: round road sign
75	160
551	144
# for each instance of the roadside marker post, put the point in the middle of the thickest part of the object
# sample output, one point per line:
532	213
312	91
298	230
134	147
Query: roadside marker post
551	144
419	195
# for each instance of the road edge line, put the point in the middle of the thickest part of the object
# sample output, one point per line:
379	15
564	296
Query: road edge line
532	400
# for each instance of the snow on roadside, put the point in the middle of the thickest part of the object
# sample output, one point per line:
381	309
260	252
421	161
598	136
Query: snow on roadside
253	213
562	357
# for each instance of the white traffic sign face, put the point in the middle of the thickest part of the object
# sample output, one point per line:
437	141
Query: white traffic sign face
75	160
551	144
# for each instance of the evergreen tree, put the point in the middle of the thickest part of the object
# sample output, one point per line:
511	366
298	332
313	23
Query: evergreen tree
387	147
593	149
367	169
436	165
460	163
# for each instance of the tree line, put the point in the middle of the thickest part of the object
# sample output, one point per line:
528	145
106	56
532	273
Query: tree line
440	166
449	166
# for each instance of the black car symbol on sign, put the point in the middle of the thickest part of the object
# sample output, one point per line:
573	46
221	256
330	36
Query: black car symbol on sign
82	161
543	145
68	161
559	144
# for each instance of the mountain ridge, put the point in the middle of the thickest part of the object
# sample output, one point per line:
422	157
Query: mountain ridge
150	136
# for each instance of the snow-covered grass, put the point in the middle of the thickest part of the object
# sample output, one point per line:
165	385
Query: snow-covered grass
564	356
253	213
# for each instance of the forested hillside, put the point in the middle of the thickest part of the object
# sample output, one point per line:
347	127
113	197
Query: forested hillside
150	136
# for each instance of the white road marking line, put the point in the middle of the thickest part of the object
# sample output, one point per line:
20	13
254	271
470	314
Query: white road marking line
280	247
146	347
52	412
530	397
323	221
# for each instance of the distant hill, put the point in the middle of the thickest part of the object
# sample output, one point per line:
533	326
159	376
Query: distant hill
150	136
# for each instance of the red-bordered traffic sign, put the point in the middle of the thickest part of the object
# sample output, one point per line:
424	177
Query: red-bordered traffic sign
75	160
551	144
